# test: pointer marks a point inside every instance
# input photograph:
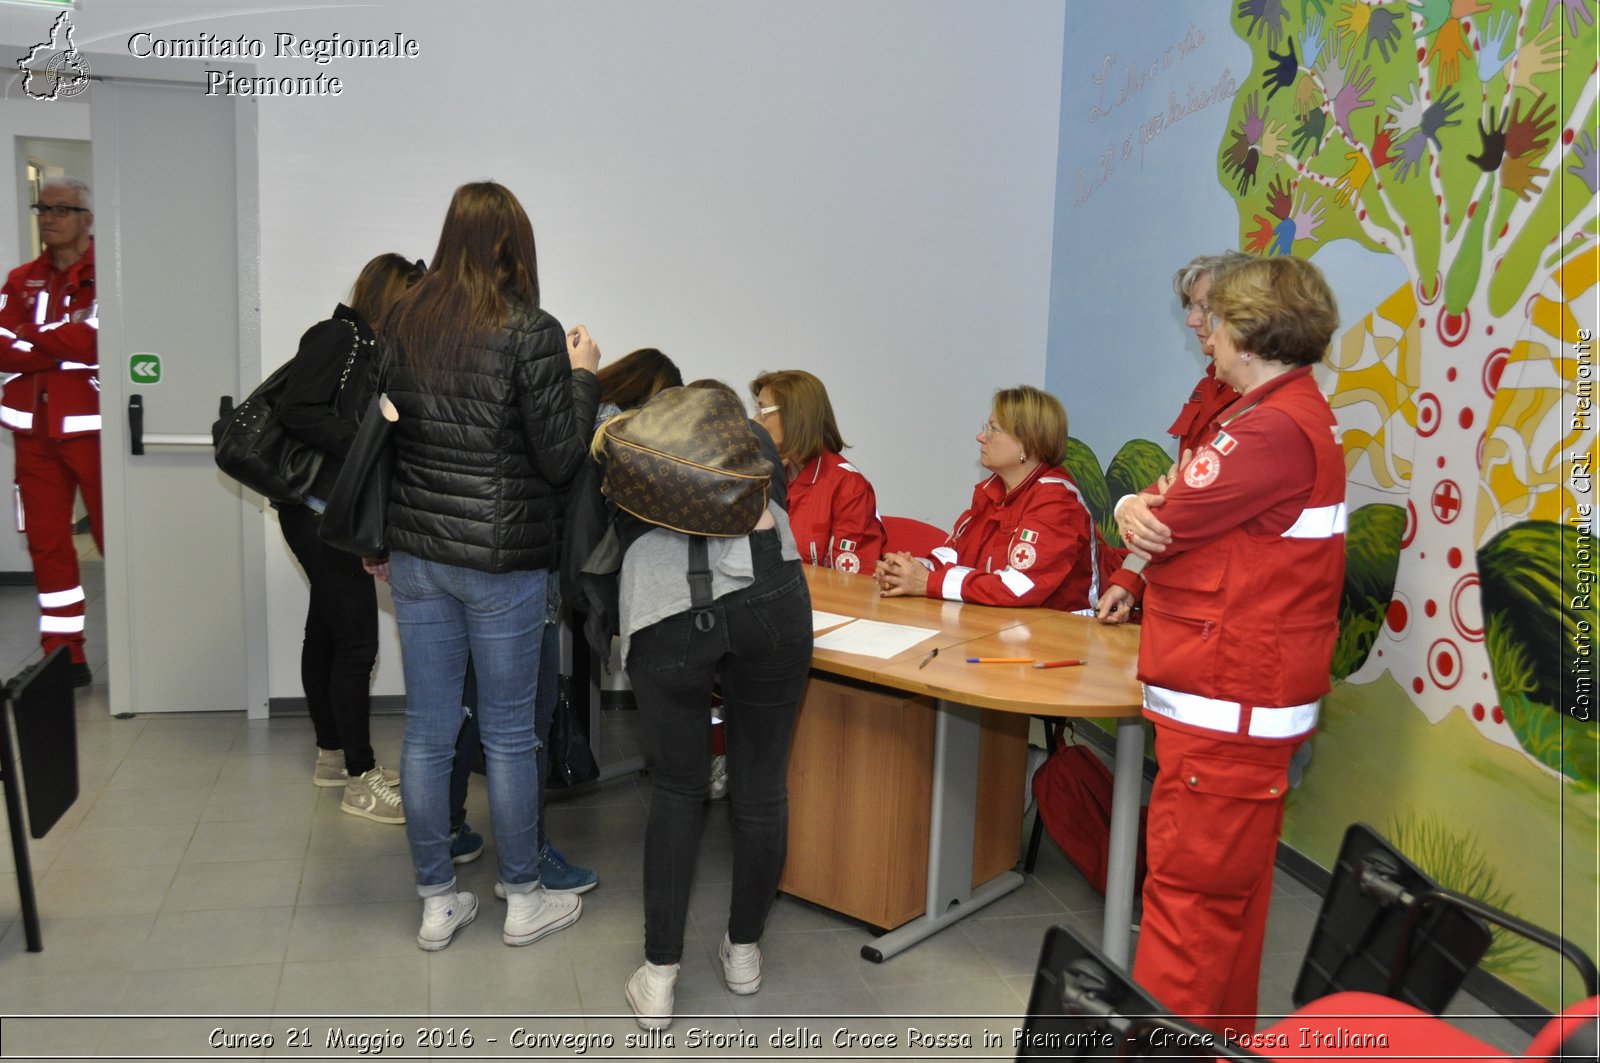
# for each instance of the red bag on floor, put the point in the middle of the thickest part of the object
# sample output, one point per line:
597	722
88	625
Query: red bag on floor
1073	791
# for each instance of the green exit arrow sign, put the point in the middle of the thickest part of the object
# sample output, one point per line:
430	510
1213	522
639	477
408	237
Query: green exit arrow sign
144	369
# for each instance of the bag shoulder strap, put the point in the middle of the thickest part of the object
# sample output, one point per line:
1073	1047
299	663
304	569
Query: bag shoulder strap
350	360
700	584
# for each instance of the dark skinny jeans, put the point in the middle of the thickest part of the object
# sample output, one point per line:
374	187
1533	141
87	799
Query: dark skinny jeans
760	649
341	640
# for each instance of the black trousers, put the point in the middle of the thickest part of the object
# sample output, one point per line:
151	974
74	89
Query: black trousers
341	640
760	649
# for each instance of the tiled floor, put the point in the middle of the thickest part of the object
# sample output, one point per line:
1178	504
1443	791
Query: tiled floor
201	874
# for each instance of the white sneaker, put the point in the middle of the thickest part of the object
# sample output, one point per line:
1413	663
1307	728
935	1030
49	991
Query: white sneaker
370	797
741	966
442	916
650	994
531	916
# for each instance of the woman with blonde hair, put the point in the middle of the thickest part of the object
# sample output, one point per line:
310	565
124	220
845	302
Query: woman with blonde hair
494	405
1027	538
833	510
1246	568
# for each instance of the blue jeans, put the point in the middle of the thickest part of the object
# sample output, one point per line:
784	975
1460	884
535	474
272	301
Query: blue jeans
445	611
469	744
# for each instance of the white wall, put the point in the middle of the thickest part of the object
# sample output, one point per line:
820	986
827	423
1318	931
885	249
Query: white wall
863	188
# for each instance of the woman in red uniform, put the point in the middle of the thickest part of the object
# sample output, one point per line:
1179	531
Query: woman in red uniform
1246	564
1196	420
1210	396
833	511
1027	538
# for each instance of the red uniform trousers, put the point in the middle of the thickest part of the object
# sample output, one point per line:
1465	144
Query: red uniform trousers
50	473
1216	810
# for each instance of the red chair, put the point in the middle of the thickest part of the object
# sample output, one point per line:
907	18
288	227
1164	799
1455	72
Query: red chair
914	536
1366	1026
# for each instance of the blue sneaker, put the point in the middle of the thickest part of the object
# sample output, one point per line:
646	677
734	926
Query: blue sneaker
466	845
558	876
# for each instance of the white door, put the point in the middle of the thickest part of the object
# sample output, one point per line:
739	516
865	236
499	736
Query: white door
176	253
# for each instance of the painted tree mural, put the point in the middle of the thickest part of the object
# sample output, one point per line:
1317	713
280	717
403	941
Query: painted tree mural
1459	137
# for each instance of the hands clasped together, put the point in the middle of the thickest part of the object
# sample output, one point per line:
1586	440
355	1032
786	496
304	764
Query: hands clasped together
899	574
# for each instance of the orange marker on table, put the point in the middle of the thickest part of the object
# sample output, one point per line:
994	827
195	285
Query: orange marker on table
999	660
1069	663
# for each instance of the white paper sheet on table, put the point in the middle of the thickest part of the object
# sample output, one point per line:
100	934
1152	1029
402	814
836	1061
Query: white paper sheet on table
821	621
874	638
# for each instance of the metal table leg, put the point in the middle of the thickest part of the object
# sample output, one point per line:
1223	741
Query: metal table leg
951	897
1116	937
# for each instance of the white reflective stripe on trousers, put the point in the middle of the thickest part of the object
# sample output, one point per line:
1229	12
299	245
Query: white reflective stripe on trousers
60	599
1215	714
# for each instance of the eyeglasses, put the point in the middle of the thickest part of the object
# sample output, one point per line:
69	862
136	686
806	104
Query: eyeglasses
1203	307
57	210
989	428
766	411
1213	321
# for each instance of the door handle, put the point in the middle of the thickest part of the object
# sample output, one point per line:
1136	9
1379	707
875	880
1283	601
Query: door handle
138	438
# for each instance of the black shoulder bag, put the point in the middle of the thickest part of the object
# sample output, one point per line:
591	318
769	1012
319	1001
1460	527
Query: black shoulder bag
357	517
253	447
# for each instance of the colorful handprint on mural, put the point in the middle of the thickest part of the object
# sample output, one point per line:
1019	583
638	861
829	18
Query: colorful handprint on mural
1457	137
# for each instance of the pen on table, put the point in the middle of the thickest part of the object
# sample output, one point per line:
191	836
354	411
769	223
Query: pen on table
1068	663
999	660
931	655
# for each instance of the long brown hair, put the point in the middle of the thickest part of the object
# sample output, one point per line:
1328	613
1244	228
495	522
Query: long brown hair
809	427
485	265
636	377
382	281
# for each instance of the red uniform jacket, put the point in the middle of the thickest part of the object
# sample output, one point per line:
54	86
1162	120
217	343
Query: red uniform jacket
1034	546
1195	424
1242	609
1194	427
49	326
833	513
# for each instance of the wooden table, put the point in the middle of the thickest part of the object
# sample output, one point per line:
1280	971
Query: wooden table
971	705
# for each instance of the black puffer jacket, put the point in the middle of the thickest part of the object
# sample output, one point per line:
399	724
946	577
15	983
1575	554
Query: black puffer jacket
483	454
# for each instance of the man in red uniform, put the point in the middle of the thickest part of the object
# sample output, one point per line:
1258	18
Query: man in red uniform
51	403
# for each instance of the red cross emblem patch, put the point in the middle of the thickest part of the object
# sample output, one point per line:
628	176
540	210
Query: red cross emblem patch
845	561
1203	469
1023	555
